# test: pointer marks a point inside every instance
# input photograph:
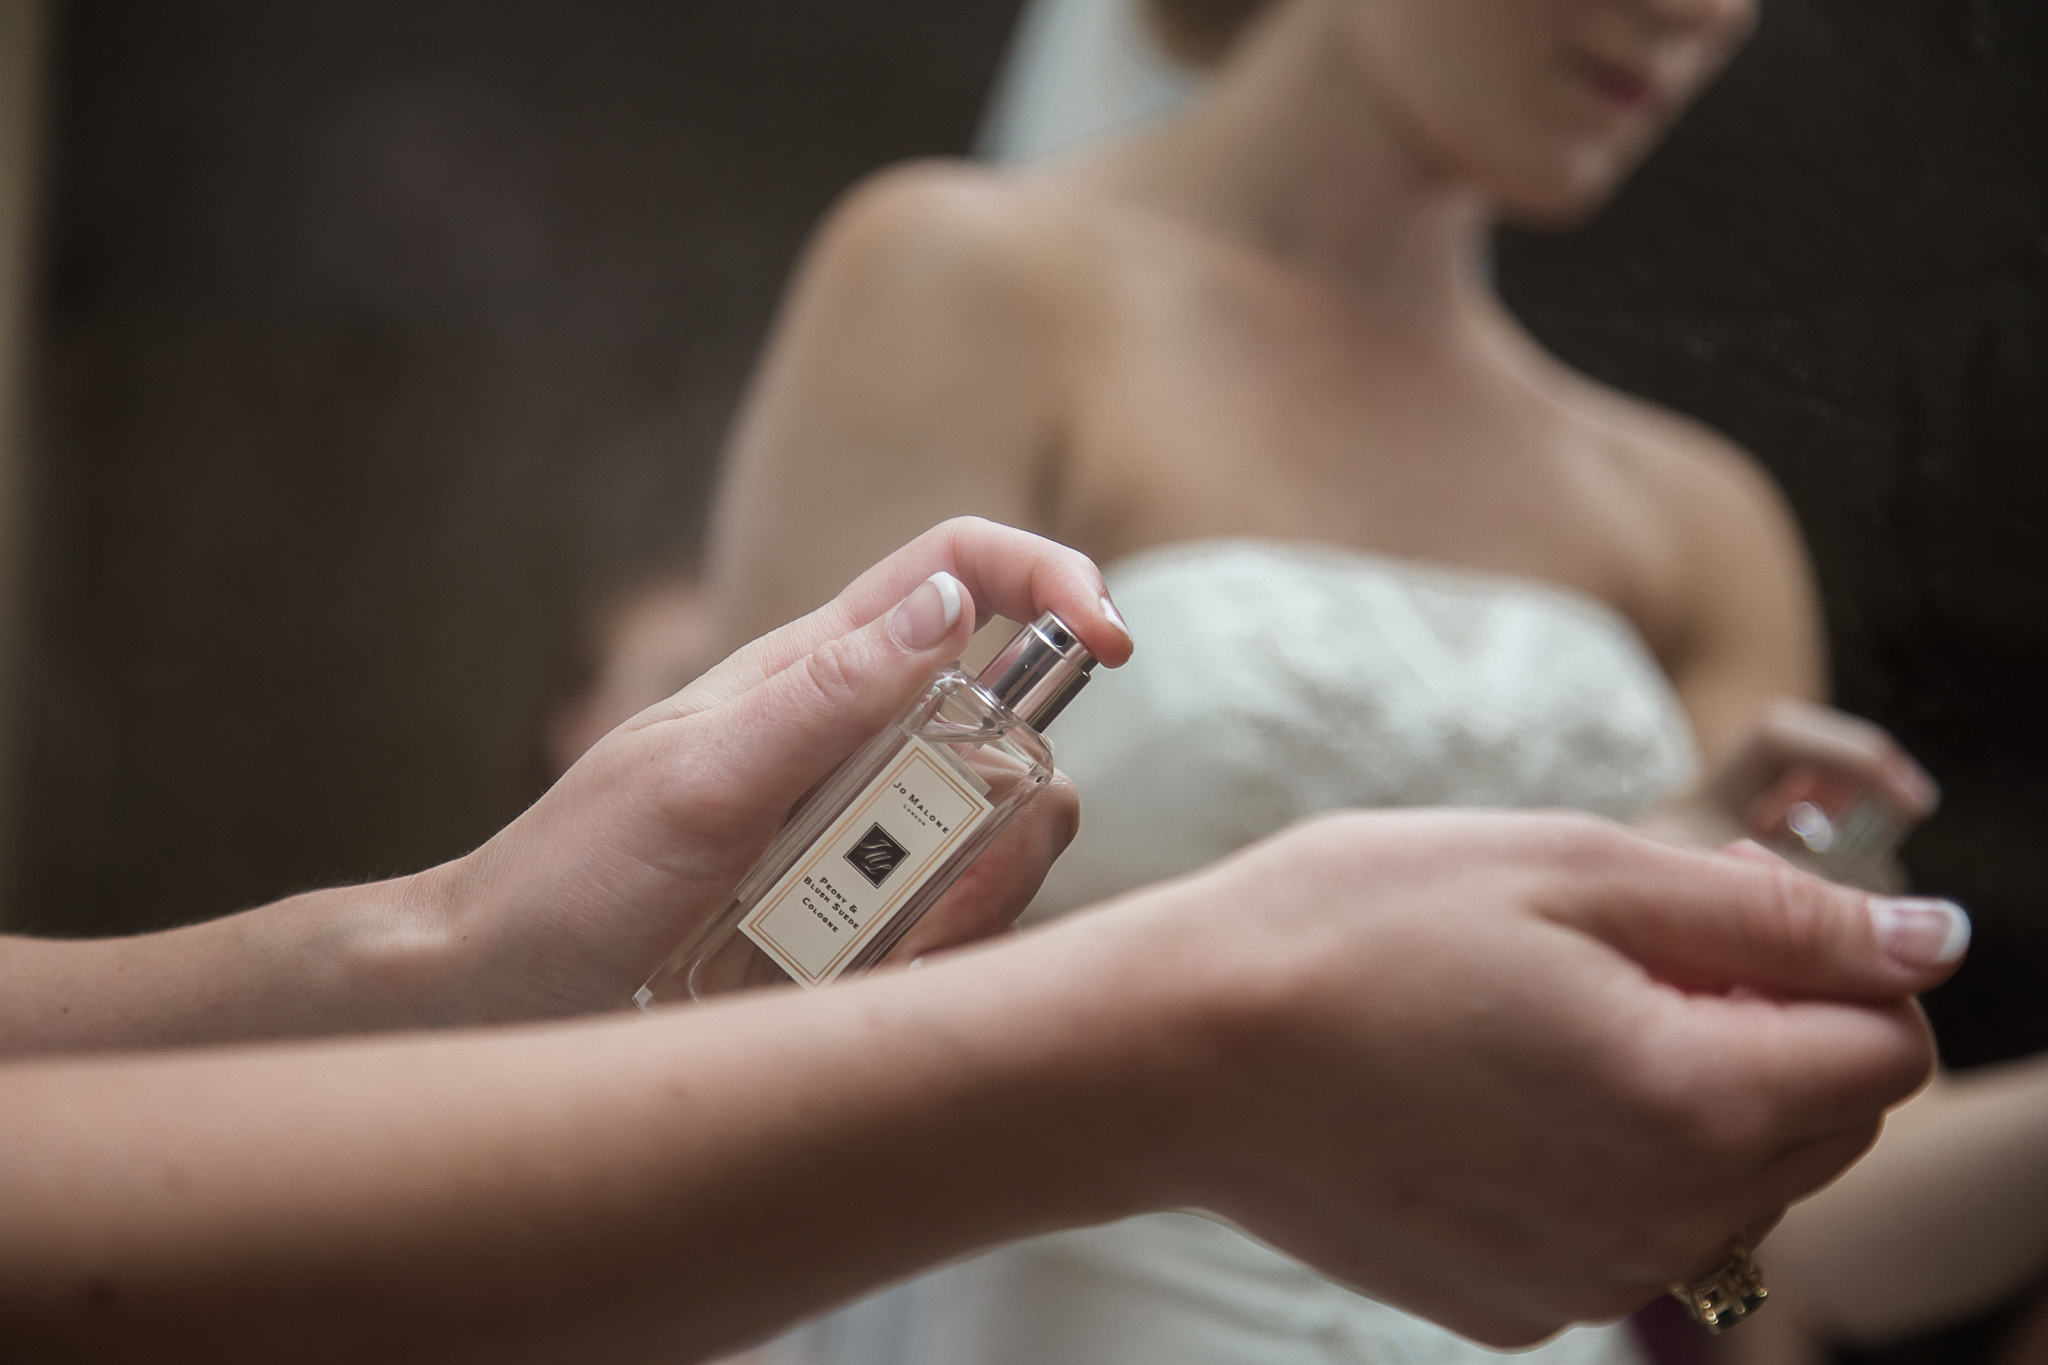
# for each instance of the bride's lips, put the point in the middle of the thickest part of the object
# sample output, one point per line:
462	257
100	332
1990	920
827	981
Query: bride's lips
1625	87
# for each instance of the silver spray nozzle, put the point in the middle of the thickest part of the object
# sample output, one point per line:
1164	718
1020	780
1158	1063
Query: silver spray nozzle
1039	671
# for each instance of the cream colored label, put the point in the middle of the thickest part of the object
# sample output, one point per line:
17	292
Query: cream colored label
851	883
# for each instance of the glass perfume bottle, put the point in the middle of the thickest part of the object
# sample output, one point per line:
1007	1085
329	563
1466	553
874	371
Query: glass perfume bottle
1827	821
879	841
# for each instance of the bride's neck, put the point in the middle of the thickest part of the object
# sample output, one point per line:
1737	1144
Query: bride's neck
1294	150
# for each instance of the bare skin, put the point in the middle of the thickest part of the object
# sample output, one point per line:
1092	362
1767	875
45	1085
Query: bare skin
1270	317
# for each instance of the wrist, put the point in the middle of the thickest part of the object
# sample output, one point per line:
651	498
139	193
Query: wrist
1199	1013
355	959
394	951
1121	1028
1054	1053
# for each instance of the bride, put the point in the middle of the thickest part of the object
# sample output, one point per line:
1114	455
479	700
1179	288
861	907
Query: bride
1376	545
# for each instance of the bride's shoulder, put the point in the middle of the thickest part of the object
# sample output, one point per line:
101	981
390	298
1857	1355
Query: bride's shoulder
1693	471
1720	525
956	231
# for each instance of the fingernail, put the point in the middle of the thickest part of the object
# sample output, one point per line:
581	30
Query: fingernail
1920	932
922	619
1116	618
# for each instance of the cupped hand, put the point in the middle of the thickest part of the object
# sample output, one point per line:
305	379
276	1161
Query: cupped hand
575	904
1868	790
1514	1071
1789	732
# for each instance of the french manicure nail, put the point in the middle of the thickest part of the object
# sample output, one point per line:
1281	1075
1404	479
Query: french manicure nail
923	619
1116	618
1920	932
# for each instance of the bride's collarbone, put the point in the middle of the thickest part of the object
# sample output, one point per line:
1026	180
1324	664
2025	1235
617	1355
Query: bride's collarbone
1122	502
1212	478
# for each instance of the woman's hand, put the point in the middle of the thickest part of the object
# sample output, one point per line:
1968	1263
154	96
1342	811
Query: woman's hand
577	902
1834	793
1515	1071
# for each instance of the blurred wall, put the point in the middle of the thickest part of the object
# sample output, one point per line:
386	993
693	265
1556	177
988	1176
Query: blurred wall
1840	258
22	28
379	338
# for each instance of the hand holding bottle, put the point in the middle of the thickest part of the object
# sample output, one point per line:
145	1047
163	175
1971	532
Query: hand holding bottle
660	819
570	907
1832	792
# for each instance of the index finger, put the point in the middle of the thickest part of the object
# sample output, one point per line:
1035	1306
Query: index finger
1006	571
1712	922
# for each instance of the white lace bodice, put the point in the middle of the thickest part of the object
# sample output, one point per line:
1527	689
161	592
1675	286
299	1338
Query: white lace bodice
1272	681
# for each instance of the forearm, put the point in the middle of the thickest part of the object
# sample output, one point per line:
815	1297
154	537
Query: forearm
352	959
595	1191
1946	1216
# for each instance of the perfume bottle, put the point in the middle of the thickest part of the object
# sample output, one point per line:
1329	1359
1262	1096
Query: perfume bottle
1828	821
879	841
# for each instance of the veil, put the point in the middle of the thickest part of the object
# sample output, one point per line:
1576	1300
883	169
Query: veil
1076	70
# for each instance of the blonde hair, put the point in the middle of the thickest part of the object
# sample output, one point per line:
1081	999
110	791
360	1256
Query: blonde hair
1200	32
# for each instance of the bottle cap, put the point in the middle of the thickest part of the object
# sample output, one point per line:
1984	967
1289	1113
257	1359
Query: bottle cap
1039	671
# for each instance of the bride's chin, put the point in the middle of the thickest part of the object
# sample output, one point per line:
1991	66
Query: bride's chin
1562	195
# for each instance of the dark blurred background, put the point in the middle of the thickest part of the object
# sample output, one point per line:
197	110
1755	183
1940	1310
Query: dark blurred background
375	342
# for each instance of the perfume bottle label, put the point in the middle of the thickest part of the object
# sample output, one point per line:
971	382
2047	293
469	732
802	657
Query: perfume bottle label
872	859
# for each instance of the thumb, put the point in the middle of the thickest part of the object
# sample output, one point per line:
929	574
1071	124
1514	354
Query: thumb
796	725
1744	918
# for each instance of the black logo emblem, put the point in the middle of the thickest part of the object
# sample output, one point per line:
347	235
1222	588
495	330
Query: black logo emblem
876	855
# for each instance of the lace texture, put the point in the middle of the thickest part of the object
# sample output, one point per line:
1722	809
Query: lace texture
1274	681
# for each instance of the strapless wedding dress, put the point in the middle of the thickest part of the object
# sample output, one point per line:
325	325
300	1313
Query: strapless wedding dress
1272	681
